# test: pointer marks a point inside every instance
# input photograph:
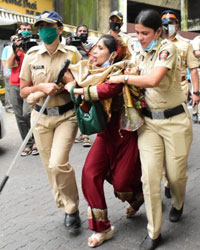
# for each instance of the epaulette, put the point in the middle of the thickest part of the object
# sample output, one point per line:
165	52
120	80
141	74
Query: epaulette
32	49
165	42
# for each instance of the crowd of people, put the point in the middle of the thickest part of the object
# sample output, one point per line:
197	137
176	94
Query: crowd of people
134	158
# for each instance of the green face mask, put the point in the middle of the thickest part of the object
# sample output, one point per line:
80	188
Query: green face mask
26	33
48	35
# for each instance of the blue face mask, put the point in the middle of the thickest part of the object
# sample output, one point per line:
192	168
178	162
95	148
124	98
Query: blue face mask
151	45
106	64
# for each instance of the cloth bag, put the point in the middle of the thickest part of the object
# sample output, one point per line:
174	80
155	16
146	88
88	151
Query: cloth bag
90	121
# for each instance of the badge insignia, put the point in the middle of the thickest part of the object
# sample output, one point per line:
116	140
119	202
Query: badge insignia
163	55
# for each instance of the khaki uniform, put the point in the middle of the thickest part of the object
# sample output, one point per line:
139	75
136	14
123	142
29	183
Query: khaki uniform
164	141
54	135
196	46
185	51
127	40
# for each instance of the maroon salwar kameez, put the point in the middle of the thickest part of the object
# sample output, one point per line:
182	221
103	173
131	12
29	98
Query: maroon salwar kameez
114	157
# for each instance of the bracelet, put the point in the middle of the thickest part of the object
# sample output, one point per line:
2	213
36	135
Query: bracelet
196	93
126	79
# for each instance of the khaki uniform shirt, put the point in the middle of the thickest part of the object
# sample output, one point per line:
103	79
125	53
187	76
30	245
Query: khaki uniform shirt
41	67
168	93
185	51
196	45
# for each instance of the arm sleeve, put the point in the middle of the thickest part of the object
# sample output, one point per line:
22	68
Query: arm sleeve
25	72
166	56
192	61
103	91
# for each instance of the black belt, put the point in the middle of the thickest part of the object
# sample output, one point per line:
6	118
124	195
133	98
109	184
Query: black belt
55	111
163	114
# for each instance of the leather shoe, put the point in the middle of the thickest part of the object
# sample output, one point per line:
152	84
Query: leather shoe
72	222
149	244
167	193
175	215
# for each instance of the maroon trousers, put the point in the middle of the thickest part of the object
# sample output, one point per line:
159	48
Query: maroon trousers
114	157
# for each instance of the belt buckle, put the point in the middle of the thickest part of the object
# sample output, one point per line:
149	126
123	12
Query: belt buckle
158	114
52	111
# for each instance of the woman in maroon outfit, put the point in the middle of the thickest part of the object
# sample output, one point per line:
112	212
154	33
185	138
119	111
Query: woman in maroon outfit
113	156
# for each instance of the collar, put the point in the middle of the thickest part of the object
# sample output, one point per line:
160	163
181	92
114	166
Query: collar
43	49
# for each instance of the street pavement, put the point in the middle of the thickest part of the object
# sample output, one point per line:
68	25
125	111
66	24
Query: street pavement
30	220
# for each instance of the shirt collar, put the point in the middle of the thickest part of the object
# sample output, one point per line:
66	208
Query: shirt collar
43	49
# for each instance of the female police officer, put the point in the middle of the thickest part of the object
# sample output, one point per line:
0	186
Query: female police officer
57	127
167	132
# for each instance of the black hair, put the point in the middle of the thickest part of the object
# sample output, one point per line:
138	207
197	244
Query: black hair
25	24
110	42
149	18
81	25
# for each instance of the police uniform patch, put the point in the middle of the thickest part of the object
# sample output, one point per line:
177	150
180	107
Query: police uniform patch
163	55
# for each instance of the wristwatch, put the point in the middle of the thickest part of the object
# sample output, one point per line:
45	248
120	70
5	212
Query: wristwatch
196	93
126	79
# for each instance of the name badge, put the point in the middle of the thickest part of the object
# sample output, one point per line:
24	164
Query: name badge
53	111
38	66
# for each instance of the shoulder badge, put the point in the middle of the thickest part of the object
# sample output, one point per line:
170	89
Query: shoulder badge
163	55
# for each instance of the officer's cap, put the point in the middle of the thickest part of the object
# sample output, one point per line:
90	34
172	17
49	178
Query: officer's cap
49	17
117	14
169	16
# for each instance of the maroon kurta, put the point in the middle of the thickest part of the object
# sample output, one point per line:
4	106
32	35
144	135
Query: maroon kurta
114	157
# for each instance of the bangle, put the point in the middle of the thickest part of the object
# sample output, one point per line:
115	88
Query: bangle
126	79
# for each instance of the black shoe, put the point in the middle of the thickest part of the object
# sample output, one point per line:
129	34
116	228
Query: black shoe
175	215
72	222
149	244
167	193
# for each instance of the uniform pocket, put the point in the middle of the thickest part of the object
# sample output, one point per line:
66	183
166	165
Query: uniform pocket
39	75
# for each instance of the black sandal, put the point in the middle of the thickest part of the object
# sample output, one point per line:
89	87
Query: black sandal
27	151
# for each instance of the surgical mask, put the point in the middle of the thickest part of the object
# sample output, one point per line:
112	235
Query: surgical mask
107	63
171	29
151	45
48	35
26	33
115	26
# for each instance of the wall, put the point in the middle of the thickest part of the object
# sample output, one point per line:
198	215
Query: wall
75	12
30	7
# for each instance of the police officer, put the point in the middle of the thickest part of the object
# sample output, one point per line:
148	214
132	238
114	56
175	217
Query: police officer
115	24
57	126
188	60
185	51
166	135
196	47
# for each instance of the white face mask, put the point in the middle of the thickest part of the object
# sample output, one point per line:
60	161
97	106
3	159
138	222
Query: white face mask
171	29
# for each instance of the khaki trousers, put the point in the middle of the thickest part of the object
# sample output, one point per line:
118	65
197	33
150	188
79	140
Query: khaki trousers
54	136
162	142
